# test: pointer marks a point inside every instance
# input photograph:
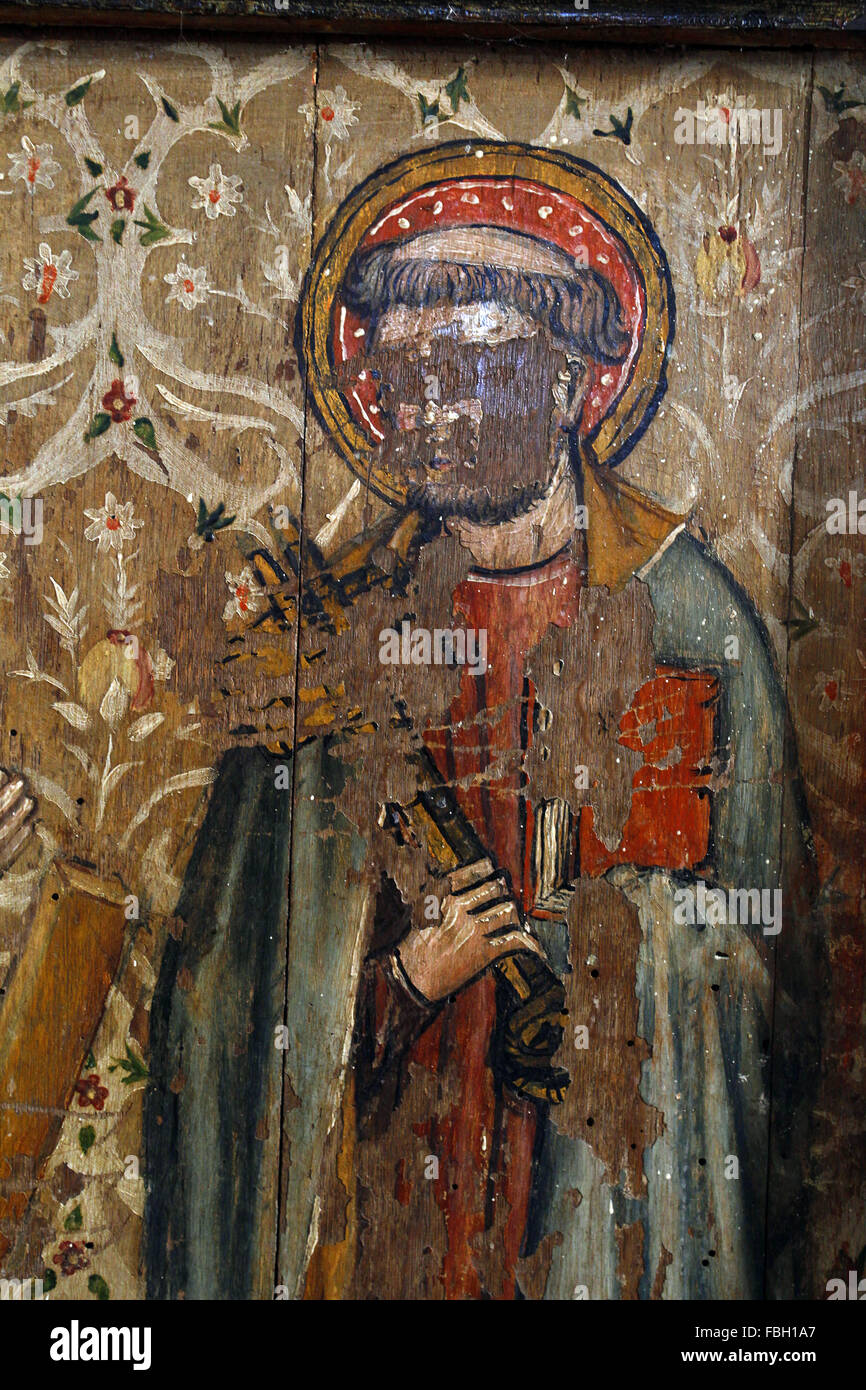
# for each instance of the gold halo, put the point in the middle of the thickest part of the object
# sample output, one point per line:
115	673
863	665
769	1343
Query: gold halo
632	410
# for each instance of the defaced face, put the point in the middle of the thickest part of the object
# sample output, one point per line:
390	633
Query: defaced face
472	401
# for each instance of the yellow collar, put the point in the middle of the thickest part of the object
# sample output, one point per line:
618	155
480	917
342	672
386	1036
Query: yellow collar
625	527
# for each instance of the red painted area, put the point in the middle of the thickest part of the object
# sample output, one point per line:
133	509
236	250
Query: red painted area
671	722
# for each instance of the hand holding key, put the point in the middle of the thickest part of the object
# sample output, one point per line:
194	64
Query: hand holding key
478	925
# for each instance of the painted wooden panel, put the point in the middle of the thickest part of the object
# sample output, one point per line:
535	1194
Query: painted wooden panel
434	669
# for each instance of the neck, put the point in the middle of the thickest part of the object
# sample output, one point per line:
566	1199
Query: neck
530	539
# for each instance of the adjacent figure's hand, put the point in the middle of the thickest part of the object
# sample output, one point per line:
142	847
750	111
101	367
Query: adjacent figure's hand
16	817
479	923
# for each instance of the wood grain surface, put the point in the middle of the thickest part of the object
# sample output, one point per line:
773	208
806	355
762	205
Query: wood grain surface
192	686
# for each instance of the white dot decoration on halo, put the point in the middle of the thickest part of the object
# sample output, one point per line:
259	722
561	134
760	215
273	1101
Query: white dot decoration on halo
360	333
437	208
603	260
606	379
508	204
545	212
575	231
469	198
403	222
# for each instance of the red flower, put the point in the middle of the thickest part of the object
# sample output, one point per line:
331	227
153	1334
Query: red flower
71	1257
728	234
117	403
121	196
89	1092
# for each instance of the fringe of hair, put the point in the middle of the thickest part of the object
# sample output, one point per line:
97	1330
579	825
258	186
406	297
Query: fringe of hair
582	309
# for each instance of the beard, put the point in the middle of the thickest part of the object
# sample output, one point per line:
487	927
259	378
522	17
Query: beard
447	501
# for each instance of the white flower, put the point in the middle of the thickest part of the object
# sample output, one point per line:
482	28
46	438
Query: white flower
188	286
4	568
720	106
847	565
830	687
218	193
112	524
335	111
47	273
33	164
245	595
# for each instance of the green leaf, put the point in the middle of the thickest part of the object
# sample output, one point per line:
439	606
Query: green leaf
572	103
89	1061
429	110
170	110
620	129
835	101
143	159
80	219
77	209
86	1138
132	1065
154	229
98	425
117	229
209	522
74	1220
98	1287
10	103
77	94
457	90
94	166
49	1280
143	429
153	236
801	622
114	352
231	120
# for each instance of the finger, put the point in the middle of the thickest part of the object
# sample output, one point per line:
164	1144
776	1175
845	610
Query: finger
9	852
500	917
10	792
11	821
493	890
510	942
469	874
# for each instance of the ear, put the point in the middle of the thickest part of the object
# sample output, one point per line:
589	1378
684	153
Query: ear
578	390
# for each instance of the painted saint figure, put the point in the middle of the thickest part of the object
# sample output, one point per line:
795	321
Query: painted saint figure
466	1113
